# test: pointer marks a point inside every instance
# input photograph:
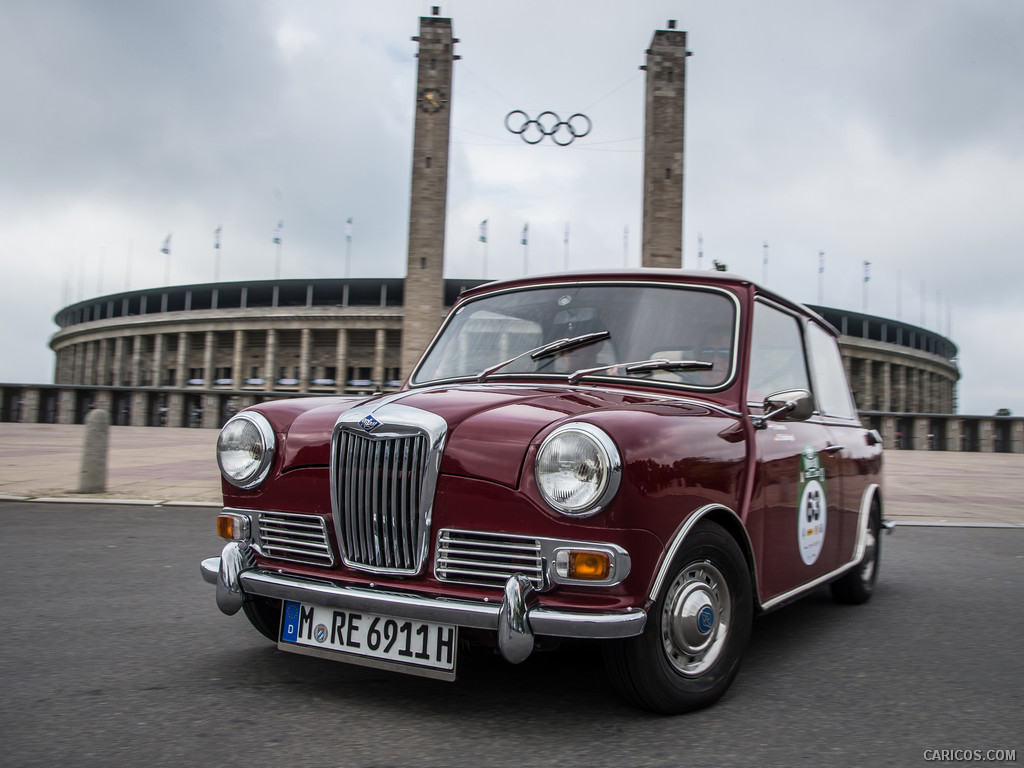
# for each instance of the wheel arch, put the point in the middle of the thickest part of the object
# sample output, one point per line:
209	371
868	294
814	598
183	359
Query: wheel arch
725	518
872	496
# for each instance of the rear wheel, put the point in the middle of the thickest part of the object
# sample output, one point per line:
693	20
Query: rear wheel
696	632
264	613
858	584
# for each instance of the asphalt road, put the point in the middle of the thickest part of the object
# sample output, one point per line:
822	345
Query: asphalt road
115	654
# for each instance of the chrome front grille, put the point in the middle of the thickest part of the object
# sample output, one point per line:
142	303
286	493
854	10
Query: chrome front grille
297	538
379	485
487	559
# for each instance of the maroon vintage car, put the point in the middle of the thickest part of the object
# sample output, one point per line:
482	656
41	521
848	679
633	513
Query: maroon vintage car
645	458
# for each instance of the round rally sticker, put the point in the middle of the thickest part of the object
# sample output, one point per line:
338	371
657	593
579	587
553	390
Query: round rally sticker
813	512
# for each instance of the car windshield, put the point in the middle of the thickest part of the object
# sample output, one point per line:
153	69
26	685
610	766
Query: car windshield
492	336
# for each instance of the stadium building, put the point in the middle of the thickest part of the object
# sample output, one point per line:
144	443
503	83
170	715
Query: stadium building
193	355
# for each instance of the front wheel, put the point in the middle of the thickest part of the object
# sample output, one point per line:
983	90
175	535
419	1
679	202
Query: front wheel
696	632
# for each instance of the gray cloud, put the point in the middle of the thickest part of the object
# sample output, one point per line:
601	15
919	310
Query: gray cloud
872	130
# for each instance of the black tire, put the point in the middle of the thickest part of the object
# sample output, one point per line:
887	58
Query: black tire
858	584
264	613
696	632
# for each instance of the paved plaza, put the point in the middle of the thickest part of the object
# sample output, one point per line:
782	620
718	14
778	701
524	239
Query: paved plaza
162	465
146	464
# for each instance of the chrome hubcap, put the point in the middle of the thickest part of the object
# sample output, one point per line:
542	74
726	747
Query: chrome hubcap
695	618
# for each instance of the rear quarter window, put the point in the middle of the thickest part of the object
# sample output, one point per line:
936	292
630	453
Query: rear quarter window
831	386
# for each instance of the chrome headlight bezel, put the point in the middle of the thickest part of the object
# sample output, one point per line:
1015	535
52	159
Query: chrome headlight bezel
267	442
607	464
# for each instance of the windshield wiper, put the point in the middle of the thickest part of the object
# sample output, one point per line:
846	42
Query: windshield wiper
548	350
645	366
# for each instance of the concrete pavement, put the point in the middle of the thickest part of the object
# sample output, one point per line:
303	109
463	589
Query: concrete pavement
144	464
163	465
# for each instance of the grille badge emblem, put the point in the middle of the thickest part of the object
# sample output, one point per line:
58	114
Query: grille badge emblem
369	424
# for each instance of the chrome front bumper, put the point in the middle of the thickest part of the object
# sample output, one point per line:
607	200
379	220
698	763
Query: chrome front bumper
516	619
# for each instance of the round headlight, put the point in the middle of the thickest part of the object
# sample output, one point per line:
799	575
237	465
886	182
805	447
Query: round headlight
245	450
578	469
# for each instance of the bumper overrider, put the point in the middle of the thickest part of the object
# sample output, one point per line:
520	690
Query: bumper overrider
517	619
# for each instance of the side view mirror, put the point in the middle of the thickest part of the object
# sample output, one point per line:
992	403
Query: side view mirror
789	405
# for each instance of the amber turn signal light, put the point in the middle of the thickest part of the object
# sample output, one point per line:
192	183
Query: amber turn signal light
232	527
588	565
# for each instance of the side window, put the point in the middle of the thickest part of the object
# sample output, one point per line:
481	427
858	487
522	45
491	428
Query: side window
776	354
832	389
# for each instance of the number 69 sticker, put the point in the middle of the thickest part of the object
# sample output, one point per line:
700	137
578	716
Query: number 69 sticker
813	512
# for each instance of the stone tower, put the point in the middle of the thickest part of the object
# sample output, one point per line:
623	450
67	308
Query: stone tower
663	149
424	287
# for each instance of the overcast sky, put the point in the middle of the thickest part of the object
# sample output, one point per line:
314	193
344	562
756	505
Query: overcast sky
872	130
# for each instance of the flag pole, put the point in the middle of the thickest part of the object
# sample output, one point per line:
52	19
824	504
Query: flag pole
167	261
277	242
348	247
526	248
821	278
867	278
483	244
216	259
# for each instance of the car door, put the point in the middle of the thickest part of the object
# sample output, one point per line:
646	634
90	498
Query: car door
851	443
797	495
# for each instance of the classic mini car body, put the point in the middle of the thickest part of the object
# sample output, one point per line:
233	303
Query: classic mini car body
645	458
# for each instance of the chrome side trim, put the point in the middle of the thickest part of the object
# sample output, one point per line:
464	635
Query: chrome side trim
786	596
863	519
465	613
683	532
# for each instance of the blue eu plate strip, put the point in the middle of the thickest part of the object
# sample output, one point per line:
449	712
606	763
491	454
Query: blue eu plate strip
290	624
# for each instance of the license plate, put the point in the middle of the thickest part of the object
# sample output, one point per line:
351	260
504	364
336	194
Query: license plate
417	647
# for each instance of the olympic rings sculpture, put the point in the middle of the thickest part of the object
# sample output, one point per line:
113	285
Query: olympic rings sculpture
533	130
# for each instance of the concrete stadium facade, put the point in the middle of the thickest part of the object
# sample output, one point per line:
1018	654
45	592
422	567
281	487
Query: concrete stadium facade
192	355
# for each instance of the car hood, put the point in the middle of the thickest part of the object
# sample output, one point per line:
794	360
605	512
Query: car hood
490	428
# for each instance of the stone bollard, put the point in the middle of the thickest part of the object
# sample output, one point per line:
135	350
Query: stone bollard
93	477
